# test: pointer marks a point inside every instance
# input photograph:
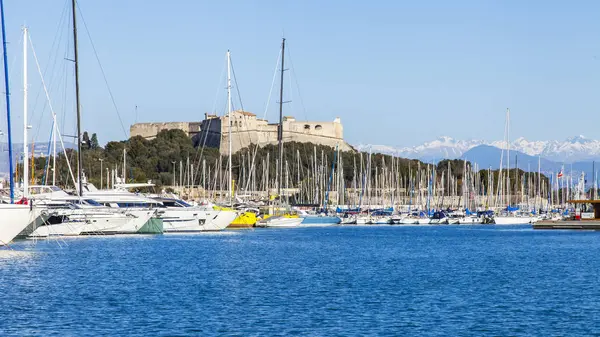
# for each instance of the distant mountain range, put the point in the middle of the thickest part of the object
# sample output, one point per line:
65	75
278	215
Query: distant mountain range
576	153
571	150
39	149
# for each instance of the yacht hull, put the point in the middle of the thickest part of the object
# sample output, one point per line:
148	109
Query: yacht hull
511	220
15	219
182	220
408	221
281	222
130	222
470	221
320	221
62	229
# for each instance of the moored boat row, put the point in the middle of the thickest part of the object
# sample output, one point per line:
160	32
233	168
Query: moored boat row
50	212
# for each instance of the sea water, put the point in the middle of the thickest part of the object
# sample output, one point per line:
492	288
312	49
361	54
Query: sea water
331	281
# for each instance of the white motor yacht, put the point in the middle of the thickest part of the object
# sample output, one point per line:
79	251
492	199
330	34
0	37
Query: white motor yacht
73	215
179	216
146	211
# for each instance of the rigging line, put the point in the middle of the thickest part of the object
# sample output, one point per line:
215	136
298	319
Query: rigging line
112	98
291	95
297	85
244	117
213	111
38	129
55	43
64	97
209	122
68	101
12	68
53	114
266	107
237	89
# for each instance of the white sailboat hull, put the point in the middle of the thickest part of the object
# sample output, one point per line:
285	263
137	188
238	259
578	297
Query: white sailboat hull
281	222
408	221
316	224
511	220
366	220
384	220
15	219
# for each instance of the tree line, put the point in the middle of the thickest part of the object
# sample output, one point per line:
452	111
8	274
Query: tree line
162	158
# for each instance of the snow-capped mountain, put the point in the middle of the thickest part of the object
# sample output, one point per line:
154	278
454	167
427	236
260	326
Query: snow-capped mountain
440	148
572	149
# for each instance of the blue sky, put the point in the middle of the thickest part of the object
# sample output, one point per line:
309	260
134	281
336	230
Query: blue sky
396	72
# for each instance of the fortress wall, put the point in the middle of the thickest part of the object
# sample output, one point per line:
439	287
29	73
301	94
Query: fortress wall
323	129
246	129
150	130
268	135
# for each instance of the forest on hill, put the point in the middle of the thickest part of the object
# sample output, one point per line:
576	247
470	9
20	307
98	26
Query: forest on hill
171	159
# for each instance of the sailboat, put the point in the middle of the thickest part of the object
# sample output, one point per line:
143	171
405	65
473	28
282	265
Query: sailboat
510	215
323	219
15	218
68	215
284	220
144	220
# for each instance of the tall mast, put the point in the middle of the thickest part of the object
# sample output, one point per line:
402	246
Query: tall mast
508	155
124	175
25	101
7	92
54	130
76	61
25	110
229	182
280	130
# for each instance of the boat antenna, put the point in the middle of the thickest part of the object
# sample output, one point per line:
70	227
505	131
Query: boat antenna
7	92
76	61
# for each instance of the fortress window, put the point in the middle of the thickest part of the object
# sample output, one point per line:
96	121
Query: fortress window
318	127
306	127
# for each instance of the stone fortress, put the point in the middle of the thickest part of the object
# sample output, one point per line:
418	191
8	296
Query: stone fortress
247	129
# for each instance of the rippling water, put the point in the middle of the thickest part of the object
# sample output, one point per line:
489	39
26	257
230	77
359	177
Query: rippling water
389	280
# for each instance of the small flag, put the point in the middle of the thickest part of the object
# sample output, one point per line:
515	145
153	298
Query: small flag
560	174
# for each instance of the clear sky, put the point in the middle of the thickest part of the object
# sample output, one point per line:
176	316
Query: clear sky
396	72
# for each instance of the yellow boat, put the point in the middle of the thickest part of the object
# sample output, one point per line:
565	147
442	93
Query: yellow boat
244	220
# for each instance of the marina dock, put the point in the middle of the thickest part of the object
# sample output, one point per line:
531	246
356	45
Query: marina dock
570	225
